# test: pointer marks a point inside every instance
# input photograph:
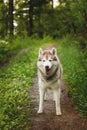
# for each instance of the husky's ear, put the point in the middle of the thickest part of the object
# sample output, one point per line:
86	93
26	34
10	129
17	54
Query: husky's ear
54	51
40	52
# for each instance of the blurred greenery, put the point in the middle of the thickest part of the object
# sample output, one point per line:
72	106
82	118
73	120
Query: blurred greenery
75	71
36	24
15	81
17	77
41	18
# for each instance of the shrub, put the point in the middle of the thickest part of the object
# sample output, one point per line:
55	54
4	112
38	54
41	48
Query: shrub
75	73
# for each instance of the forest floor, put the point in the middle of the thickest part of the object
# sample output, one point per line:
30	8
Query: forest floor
17	74
69	120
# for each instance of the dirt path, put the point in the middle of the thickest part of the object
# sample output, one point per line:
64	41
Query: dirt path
69	120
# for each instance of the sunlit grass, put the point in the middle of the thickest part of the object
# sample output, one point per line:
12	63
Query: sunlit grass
75	73
17	77
15	80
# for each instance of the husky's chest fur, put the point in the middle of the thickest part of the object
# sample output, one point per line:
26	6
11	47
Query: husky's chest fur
50	82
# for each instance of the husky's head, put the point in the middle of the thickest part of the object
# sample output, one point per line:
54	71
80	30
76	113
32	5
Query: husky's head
47	61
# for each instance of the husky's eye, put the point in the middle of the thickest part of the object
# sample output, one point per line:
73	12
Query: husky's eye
39	59
50	60
43	60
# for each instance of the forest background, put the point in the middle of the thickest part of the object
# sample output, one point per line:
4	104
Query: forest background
26	25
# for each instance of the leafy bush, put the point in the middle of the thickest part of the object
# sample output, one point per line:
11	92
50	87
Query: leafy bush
15	81
14	85
4	49
8	48
75	72
16	78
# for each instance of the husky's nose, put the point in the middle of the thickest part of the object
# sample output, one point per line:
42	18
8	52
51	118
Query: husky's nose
47	67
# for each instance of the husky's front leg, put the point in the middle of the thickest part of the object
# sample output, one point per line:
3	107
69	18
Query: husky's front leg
41	95
45	95
57	101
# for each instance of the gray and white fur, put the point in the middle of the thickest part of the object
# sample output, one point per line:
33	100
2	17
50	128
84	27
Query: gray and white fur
49	77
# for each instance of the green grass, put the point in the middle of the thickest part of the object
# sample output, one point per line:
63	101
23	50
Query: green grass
74	63
9	48
17	77
15	80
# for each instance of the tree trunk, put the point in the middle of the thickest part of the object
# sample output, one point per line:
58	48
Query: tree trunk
52	3
11	26
40	27
30	29
1	1
1	20
6	22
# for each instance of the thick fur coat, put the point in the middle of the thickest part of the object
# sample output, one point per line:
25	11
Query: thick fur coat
49	77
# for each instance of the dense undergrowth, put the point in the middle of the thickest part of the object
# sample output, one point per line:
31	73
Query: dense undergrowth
15	81
9	48
74	63
17	77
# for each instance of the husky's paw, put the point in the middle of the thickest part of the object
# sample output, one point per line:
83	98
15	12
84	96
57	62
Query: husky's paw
58	113
39	111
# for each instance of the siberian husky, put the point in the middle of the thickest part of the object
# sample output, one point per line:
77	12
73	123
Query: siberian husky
49	77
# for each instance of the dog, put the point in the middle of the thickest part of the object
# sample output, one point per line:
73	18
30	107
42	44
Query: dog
49	77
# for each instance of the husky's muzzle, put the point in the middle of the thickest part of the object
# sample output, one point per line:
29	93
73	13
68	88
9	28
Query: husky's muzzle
47	69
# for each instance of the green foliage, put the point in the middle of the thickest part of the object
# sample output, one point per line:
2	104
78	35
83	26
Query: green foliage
70	16
16	78
8	47
3	19
15	82
3	51
75	72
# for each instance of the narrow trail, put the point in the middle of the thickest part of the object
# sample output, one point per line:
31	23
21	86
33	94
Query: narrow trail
69	120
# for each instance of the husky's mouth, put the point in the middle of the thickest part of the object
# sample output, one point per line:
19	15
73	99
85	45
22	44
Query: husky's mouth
47	71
